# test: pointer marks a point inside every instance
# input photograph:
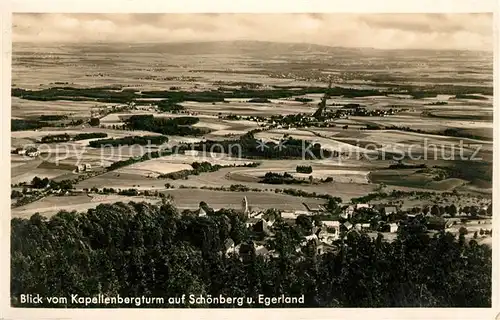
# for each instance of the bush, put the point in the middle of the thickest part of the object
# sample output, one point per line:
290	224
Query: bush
16	194
463	231
94	122
180	126
90	135
304	169
133	140
55	138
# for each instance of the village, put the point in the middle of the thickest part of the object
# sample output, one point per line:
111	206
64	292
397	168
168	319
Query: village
383	220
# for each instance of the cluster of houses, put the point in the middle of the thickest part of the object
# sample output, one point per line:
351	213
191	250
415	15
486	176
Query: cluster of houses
360	111
326	233
30	152
83	167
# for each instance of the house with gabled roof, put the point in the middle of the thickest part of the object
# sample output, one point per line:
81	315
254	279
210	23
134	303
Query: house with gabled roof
229	246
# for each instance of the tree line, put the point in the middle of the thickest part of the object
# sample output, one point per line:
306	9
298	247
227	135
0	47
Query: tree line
304	169
201	167
250	147
134	249
130	140
179	126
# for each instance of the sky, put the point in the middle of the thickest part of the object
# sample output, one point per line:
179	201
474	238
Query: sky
383	31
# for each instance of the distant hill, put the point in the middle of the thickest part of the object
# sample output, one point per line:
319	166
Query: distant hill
250	48
222	47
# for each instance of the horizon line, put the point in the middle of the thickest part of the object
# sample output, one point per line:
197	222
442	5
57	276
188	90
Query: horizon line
229	41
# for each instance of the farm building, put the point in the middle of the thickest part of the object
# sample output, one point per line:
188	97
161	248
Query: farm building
362	206
362	226
201	212
332	225
314	209
308	238
389	227
349	210
393	227
19	151
261	251
83	167
262	227
33	153
347	225
390	210
289	215
299	212
251	221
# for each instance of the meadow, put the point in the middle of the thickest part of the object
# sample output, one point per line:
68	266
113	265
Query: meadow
213	86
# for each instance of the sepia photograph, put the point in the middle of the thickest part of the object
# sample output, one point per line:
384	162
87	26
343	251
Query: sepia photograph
251	160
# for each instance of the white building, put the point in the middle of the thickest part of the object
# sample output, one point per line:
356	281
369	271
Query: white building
332	225
349	210
348	225
344	215
201	212
390	210
299	212
288	215
261	251
362	205
393	227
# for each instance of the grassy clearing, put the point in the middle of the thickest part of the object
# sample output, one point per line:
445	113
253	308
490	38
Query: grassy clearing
338	175
51	205
190	198
154	166
124	180
412	178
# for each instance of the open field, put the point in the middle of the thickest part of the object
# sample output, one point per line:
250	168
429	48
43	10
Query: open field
359	144
154	168
411	178
137	180
29	108
51	205
41	173
326	143
62	159
430	124
199	156
395	142
30	137
190	199
194	72
221	178
338	175
183	199
244	108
